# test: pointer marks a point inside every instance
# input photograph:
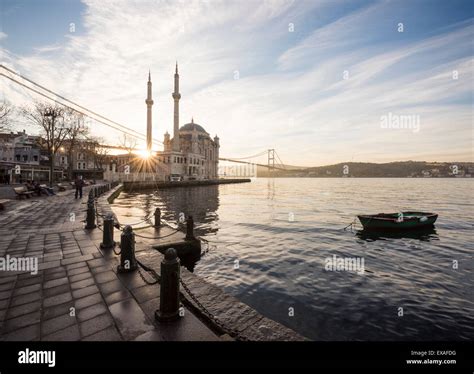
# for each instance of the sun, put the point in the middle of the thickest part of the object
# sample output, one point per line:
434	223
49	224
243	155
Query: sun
144	154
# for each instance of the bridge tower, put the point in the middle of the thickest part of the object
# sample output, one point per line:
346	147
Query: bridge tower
271	162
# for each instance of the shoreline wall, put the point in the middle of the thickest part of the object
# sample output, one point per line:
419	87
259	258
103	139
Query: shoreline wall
137	185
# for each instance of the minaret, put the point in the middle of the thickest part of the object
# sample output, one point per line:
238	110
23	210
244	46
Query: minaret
149	104
176	96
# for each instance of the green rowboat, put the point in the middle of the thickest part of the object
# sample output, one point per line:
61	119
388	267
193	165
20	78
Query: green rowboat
398	221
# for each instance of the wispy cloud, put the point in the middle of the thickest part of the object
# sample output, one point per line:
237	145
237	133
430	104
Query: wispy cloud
290	93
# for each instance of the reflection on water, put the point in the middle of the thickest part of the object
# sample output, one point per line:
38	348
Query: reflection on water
426	234
281	231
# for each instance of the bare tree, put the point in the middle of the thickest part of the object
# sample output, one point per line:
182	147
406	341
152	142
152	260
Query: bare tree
129	143
98	153
77	132
50	118
6	110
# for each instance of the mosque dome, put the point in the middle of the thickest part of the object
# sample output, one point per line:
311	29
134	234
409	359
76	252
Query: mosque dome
193	127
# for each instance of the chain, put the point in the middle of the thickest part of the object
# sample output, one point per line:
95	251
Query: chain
156	237
143	277
232	332
117	253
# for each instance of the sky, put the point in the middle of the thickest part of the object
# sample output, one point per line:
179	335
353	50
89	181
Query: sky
321	82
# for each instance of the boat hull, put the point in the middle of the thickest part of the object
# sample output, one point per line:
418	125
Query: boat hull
396	221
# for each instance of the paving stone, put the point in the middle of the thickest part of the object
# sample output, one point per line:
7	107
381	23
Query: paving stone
49	265
117	296
105	277
7	286
24	299
70	333
27	289
23	309
57	310
58	273
57	323
88	301
4	303
76	259
97	262
79	270
7	279
57	299
37	279
3	314
56	290
131	280
95	324
106	335
77	294
28	333
89	249
150	307
91	312
5	294
146	293
55	282
130	319
100	269
110	287
83	283
72	255
54	257
79	277
76	265
22	321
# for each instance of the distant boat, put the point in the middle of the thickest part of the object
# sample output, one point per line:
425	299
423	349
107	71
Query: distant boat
398	221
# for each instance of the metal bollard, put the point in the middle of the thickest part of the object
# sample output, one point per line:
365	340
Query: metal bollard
190	229
90	218
127	253
91	195
157	217
108	236
169	288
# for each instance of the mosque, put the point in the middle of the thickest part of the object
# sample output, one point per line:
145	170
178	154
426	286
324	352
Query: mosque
191	154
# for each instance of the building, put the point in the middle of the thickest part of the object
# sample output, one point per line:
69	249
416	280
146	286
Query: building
20	157
191	153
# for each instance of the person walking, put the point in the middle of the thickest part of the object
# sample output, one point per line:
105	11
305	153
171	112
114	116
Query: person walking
79	184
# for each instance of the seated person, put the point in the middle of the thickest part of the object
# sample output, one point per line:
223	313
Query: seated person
29	186
36	188
48	190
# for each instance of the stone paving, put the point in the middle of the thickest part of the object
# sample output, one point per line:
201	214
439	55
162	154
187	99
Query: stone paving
76	294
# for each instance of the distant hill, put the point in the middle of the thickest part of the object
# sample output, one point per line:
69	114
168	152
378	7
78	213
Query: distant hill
398	169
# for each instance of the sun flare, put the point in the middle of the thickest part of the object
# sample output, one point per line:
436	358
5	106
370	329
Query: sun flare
144	154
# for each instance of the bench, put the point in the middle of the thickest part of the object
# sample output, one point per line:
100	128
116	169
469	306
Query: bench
23	192
2	203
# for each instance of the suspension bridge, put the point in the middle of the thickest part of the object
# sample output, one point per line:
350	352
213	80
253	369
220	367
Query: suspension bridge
273	160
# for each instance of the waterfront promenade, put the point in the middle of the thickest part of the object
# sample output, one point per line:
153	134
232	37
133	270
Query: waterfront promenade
78	295
74	273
